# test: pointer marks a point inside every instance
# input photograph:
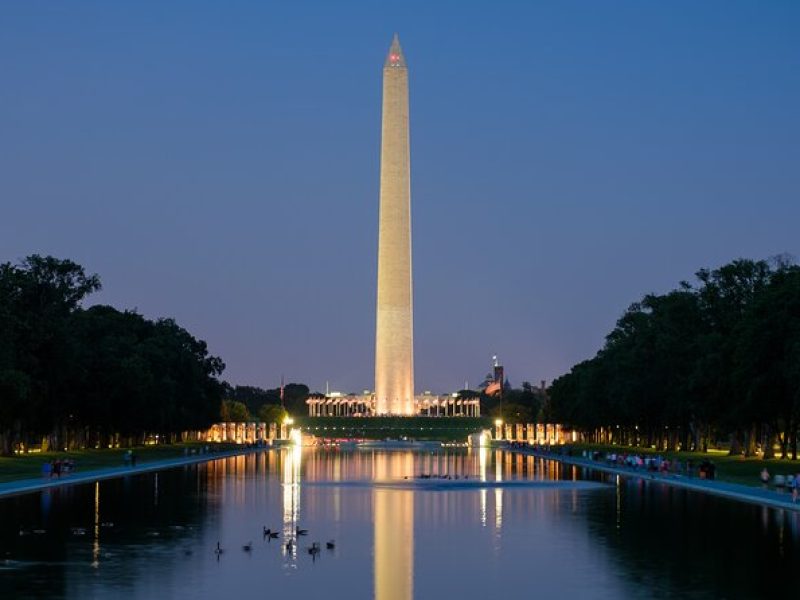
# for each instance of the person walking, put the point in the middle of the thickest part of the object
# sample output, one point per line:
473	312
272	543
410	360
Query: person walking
764	477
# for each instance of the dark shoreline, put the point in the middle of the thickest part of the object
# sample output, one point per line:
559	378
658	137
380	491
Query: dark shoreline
29	486
732	491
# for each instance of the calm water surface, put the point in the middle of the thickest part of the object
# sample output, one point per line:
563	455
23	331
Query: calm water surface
152	536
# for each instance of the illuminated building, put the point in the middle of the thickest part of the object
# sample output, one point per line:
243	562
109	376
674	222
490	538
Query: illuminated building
394	343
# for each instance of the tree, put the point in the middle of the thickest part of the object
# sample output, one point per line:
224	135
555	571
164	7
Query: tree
234	412
75	377
724	296
272	413
37	299
717	360
253	397
294	397
768	359
513	413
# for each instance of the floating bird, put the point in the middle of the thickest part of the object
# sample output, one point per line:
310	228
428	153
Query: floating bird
289	546
330	544
248	547
314	549
218	550
299	531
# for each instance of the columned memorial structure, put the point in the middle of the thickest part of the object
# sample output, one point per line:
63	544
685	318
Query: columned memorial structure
363	405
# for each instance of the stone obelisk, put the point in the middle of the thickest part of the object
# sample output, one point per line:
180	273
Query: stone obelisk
394	339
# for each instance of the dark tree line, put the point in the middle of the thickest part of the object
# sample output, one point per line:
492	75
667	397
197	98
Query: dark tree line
717	361
75	377
253	403
524	405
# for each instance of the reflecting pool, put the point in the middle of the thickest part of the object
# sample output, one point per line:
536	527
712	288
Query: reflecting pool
570	533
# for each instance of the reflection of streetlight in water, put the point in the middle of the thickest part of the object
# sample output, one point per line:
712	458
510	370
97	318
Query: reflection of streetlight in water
96	530
394	528
498	492
483	455
290	479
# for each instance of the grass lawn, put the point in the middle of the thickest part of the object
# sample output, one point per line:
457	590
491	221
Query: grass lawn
445	429
28	466
735	469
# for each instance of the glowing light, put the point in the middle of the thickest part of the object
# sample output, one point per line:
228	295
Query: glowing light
498	508
291	495
498	422
96	530
296	437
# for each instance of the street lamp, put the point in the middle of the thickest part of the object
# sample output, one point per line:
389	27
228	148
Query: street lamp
498	427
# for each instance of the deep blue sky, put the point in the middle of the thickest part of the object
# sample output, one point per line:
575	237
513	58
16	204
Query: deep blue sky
218	163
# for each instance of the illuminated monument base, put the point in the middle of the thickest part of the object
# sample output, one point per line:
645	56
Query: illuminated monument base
364	405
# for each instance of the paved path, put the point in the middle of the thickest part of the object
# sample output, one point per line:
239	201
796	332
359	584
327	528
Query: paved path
26	486
733	491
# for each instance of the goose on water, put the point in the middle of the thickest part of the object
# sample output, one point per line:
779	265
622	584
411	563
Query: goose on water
299	531
218	550
330	544
248	547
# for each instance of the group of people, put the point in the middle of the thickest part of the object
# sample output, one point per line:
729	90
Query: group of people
560	450
58	467
434	476
789	482
658	464
655	464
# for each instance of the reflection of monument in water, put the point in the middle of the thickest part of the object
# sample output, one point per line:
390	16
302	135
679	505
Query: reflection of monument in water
393	517
394	529
393	508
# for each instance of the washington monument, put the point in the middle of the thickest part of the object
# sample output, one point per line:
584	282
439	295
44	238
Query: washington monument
394	335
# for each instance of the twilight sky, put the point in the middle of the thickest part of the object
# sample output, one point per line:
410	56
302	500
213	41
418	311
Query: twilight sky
217	162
